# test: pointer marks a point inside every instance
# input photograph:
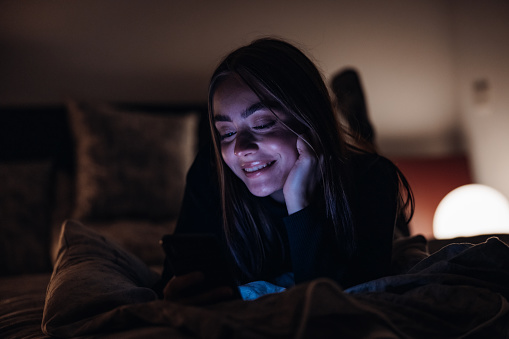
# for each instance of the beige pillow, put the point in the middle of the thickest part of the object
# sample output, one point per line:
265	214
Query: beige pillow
130	164
92	275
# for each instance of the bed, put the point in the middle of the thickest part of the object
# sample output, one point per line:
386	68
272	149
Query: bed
73	268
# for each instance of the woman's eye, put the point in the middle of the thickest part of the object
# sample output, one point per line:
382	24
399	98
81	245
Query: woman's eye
227	135
266	125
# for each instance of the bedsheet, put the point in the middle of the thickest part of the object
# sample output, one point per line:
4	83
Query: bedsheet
21	306
458	292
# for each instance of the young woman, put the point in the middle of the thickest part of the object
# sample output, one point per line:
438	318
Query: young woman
284	190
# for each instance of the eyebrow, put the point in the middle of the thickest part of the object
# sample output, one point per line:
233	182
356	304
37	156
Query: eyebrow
250	110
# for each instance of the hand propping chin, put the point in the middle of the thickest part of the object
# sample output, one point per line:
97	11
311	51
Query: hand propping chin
303	178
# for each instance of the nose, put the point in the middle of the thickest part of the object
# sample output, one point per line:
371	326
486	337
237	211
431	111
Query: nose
244	144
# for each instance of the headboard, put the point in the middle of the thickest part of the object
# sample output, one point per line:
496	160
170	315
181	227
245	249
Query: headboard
38	132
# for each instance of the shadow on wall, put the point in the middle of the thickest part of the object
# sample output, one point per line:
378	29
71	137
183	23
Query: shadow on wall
351	103
430	177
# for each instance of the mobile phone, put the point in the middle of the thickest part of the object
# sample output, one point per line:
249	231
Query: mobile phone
188	253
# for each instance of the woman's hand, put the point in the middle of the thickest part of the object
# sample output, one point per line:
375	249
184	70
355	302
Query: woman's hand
303	178
190	289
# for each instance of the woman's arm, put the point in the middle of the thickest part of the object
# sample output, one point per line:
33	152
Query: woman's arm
374	209
313	246
312	250
200	211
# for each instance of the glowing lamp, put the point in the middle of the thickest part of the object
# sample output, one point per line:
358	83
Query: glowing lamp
471	210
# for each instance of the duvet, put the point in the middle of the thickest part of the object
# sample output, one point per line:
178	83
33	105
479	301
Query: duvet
460	291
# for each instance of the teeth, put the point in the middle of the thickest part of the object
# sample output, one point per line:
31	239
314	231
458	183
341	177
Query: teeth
253	169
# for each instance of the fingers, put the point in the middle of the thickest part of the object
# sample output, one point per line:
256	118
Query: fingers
177	286
190	289
303	145
307	153
212	296
304	149
304	177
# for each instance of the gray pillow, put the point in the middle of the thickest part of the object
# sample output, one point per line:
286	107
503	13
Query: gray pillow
92	275
130	163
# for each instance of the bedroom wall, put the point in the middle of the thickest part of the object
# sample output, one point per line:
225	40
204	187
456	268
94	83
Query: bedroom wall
166	50
482	55
418	61
480	32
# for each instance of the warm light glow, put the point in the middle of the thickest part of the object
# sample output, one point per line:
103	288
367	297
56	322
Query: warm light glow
471	210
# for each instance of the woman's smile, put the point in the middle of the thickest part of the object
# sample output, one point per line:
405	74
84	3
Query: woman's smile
253	169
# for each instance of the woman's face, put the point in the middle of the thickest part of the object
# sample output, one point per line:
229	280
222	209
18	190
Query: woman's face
255	145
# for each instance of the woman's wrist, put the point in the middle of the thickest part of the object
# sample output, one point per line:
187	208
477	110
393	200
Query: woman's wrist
295	205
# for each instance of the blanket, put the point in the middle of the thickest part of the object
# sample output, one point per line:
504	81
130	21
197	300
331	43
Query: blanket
458	292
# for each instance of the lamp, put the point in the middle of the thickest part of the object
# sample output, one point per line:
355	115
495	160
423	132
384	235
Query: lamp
471	210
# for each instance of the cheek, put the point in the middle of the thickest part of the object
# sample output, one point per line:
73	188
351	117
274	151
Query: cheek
227	154
286	145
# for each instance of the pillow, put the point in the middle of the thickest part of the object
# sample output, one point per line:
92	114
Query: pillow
93	275
139	237
130	163
25	197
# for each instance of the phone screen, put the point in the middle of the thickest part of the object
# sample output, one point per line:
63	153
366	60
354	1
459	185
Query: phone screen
199	252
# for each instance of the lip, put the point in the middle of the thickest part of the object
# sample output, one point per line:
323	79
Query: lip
256	168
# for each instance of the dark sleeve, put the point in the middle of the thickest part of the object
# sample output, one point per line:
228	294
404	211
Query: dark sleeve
313	248
374	209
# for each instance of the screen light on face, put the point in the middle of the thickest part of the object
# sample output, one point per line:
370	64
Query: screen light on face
471	210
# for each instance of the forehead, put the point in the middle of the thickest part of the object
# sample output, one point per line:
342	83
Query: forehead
234	99
232	96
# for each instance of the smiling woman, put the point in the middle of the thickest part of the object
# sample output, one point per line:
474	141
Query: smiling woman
255	141
291	199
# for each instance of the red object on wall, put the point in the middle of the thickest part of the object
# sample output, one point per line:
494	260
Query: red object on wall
431	178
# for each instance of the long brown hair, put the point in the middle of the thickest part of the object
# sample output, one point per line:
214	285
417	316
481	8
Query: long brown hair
278	72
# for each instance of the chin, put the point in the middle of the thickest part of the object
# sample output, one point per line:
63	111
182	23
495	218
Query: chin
261	194
265	192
